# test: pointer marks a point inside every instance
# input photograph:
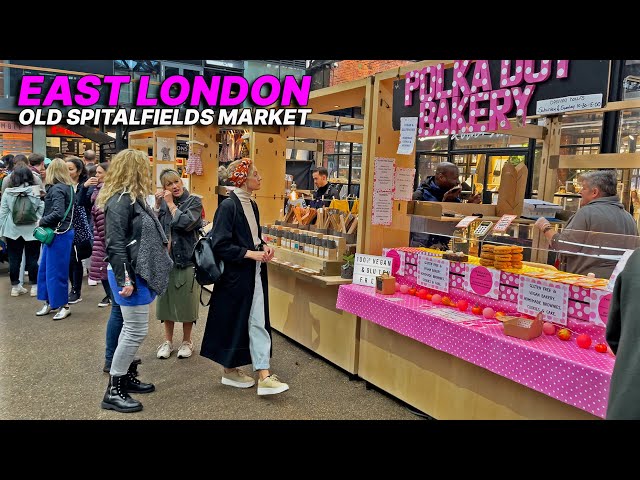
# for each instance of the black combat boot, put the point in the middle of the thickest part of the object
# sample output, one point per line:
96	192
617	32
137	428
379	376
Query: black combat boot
134	385
116	397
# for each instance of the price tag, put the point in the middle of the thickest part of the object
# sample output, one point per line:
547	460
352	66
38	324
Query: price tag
504	223
466	221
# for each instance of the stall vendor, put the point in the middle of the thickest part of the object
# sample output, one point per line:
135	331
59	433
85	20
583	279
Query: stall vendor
600	211
324	190
444	186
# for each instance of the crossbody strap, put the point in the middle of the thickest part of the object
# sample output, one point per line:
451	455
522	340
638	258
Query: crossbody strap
67	213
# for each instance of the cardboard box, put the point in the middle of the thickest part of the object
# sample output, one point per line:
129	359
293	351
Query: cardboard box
385	284
524	328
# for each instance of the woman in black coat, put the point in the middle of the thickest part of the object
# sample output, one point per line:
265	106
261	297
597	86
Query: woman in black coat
238	330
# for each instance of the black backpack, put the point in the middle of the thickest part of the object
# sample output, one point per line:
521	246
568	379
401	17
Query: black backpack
207	270
24	211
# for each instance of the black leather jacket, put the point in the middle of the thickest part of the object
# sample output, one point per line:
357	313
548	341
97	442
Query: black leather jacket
182	228
56	202
123	232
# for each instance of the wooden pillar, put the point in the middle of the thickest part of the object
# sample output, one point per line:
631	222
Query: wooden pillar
268	152
205	184
547	184
383	142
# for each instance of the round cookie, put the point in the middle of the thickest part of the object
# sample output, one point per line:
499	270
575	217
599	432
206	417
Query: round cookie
516	257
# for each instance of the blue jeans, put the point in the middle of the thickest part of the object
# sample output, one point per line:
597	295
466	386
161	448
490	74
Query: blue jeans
259	339
114	327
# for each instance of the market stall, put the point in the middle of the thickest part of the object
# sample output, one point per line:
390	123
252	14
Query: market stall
451	362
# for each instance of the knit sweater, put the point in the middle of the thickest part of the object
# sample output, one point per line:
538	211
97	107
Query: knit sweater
245	201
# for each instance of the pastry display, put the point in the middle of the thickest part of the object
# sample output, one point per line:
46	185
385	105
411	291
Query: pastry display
455	256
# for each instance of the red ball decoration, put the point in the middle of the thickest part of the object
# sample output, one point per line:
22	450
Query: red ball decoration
463	305
583	340
601	347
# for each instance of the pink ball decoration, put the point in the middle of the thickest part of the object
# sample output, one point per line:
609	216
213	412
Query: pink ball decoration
404	288
436	299
549	328
488	312
397	287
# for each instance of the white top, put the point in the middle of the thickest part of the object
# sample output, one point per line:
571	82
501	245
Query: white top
245	200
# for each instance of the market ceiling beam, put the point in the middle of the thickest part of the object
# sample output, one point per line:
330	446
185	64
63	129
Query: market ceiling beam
599	160
528	131
332	118
312	147
351	136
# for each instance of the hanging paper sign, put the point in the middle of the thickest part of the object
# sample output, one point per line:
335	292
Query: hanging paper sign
569	104
383	174
619	267
537	295
466	221
504	222
382	208
404	178
482	281
599	306
408	128
433	273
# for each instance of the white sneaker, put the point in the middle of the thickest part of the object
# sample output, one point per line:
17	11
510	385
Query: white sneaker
18	290
237	378
271	385
185	350
46	308
62	313
164	350
34	291
92	282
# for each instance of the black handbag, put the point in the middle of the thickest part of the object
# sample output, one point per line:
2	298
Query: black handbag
207	270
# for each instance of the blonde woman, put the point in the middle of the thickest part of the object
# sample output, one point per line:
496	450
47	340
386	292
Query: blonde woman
53	272
138	270
180	215
238	331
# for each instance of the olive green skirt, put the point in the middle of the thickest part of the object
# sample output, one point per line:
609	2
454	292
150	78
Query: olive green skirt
179	303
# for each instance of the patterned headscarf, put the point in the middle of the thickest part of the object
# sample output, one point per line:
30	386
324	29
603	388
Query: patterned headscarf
240	174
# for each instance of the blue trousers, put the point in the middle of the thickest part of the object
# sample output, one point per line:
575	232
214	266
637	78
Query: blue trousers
114	326
53	274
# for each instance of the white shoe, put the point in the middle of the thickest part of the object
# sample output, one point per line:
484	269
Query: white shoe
92	282
46	308
34	291
164	350
185	350
18	290
62	313
237	378
271	386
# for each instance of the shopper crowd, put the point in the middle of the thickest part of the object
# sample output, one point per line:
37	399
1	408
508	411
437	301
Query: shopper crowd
62	218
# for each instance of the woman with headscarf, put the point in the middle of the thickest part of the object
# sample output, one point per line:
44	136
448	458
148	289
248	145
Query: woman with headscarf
238	331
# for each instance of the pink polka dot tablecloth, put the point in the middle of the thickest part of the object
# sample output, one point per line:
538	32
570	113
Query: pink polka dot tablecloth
559	369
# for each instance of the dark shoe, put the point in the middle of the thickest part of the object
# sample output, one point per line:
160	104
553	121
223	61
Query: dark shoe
105	302
134	385
116	397
74	297
136	362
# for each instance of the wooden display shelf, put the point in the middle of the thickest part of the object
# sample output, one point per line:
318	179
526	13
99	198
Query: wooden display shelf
325	267
322	281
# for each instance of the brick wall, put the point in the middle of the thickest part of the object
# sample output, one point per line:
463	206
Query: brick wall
349	70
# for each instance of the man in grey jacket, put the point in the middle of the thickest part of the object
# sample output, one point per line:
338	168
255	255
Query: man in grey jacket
585	247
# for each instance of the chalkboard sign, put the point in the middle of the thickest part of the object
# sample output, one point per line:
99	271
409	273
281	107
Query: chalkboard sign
578	77
69	146
182	149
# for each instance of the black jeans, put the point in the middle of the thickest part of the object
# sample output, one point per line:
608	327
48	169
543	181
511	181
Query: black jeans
76	273
31	252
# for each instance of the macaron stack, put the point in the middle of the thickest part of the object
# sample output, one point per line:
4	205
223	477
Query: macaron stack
516	257
487	257
502	257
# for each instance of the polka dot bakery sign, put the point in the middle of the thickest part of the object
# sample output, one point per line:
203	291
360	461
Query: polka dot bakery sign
537	295
480	96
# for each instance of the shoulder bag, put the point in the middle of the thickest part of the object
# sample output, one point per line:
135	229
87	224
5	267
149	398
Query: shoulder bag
46	235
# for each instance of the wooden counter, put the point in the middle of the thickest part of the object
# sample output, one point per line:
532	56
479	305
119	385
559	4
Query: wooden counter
447	387
303	307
